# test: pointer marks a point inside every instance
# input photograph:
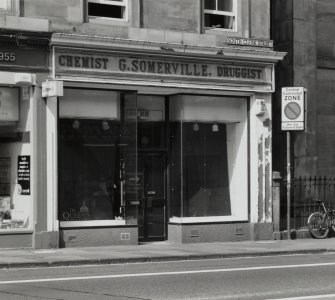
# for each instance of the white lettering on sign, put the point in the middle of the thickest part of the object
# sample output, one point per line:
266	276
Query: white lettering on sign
7	56
249	42
293	108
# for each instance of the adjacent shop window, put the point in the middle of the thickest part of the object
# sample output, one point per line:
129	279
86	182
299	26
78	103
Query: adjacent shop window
220	14
16	194
107	9
209	177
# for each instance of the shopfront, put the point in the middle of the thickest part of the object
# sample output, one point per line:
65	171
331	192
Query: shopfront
155	145
23	57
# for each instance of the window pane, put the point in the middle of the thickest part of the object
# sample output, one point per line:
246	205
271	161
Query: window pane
225	5
219	21
105	10
151	122
205	170
88	170
210	4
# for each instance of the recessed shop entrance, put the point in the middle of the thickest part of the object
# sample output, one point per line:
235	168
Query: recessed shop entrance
151	167
152	201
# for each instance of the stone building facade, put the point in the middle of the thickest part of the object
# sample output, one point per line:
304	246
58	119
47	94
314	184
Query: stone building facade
304	29
152	122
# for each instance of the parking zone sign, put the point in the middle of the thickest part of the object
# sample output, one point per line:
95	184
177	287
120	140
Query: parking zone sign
292	108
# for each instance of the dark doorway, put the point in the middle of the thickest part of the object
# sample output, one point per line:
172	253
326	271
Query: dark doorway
152	208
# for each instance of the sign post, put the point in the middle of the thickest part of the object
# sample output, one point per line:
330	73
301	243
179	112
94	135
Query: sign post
288	183
293	119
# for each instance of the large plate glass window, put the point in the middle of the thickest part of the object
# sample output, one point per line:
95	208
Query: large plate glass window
209	159
220	14
16	169
107	9
97	158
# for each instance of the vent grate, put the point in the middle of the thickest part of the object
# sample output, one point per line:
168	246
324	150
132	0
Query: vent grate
239	231
194	233
125	236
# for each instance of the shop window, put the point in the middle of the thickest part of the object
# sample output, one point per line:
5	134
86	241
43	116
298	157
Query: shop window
208	138
220	14
16	203
97	161
107	9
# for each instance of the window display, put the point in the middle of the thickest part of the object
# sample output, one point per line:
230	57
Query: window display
208	137
16	174
13	212
97	161
89	170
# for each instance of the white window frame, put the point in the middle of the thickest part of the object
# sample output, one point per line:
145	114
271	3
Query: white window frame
122	3
4	5
223	13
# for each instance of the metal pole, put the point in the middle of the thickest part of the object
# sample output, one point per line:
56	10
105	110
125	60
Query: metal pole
288	145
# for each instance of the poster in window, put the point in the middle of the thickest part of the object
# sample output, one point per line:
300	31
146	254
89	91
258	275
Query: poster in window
4	176
23	174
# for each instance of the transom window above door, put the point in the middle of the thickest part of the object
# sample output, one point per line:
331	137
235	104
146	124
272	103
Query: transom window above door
107	9
220	14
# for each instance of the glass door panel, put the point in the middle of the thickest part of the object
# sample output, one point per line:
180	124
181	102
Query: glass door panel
151	220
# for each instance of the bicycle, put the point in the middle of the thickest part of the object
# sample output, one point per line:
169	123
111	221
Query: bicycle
319	223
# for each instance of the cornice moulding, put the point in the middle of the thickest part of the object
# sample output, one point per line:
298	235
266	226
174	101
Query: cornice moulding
86	42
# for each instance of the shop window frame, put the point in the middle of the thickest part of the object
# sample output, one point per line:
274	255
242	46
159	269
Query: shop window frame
66	115
236	215
217	12
10	7
123	4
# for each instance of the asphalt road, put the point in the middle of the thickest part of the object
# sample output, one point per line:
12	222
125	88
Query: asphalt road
276	277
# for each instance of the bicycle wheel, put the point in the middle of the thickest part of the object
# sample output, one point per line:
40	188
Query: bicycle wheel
318	225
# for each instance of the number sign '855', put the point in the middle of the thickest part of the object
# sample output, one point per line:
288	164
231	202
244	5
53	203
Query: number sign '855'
7	56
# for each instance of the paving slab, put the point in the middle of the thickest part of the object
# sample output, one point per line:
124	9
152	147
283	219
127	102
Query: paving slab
159	251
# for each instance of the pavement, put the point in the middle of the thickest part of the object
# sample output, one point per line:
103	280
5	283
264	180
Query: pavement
158	252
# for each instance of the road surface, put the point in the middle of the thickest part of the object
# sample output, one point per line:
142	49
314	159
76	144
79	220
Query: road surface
274	277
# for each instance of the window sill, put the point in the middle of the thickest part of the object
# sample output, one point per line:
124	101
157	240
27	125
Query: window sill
16	231
220	31
93	223
194	220
109	21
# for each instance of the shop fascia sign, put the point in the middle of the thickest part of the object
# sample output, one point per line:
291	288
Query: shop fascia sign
52	88
159	67
22	57
293	108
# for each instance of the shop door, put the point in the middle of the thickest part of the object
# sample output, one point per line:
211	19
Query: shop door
152	208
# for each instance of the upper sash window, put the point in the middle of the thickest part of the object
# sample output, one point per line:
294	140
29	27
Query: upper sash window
220	14
107	9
